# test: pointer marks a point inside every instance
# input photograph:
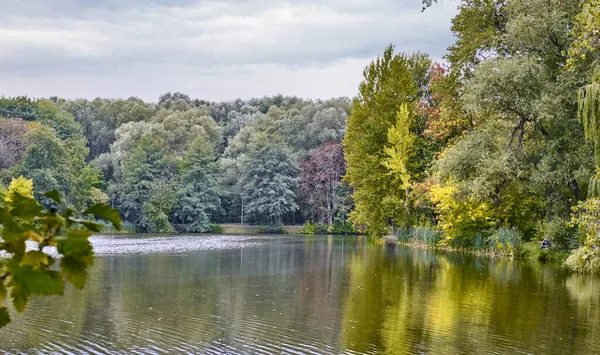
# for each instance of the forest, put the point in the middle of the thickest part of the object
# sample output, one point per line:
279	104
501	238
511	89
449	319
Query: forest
496	145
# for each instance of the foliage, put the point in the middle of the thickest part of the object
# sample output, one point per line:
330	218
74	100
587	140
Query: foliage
197	193
389	82
560	232
420	235
398	153
269	183
272	229
586	216
459	217
586	33
507	241
320	178
20	186
217	228
26	272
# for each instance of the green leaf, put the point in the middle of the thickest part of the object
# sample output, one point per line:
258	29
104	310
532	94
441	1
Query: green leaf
2	292
54	195
75	247
35	258
38	282
74	270
11	230
4	316
106	212
92	226
24	207
79	233
20	297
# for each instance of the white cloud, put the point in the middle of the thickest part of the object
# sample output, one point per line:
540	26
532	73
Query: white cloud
208	49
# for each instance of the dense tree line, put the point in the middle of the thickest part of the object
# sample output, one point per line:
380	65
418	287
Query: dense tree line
181	164
491	147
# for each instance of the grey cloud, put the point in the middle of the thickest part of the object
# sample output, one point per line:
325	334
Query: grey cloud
136	40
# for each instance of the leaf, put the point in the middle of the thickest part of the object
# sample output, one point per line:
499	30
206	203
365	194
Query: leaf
4	316
79	233
38	282
2	292
11	230
20	297
32	235
24	207
74	270
92	226
35	258
75	247
54	195
105	212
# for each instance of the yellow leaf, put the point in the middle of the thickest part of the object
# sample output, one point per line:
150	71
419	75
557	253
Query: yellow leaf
35	258
31	235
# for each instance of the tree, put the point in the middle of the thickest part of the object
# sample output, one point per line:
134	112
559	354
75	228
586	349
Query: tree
586	33
269	183
12	141
20	186
399	151
198	193
320	177
145	173
388	83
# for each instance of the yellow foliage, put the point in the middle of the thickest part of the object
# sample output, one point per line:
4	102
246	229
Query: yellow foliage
401	147
20	185
458	217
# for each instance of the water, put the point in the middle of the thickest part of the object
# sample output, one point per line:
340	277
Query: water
307	295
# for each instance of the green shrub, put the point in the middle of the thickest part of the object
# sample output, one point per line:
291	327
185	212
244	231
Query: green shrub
562	235
321	229
343	227
217	228
308	228
272	229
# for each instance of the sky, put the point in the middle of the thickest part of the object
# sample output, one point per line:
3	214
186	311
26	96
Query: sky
209	49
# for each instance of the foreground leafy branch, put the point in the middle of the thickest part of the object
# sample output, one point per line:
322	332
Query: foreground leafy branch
25	273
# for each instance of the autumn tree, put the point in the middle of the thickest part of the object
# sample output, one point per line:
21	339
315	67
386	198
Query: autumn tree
320	178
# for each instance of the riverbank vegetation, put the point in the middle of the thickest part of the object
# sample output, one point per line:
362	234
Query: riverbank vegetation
486	150
498	150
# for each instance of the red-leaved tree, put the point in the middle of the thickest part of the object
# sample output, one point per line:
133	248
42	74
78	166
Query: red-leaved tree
320	177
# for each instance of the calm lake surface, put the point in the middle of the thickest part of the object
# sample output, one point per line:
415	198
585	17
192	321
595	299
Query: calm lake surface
307	295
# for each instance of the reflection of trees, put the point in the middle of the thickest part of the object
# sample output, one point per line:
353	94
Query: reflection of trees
421	302
285	294
319	294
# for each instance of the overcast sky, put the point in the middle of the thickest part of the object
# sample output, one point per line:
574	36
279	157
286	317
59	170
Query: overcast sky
209	49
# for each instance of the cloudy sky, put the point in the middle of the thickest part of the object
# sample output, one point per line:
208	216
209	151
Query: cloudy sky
210	49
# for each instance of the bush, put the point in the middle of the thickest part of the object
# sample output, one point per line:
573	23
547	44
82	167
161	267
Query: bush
321	228
562	235
217	228
308	228
343	227
272	229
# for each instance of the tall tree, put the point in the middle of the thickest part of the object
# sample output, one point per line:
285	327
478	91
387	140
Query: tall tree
198	192
389	82
269	184
320	177
398	152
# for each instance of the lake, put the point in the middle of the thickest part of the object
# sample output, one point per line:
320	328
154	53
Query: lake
307	295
